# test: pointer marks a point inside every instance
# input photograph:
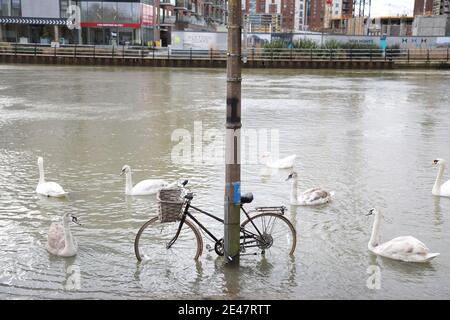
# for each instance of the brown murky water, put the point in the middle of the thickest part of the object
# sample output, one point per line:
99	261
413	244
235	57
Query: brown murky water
369	136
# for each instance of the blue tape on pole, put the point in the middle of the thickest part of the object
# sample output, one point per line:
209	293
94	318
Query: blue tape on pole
236	193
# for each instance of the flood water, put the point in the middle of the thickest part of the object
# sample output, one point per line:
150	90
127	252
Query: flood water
370	136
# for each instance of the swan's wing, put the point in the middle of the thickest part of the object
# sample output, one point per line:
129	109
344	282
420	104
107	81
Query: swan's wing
310	191
285	163
55	238
314	196
52	189
149	186
403	246
317	194
445	188
171	185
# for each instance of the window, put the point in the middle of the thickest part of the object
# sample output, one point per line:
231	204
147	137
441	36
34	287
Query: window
262	6
109	12
136	12
252	6
5	8
94	11
10	8
16	8
84	11
125	12
63	5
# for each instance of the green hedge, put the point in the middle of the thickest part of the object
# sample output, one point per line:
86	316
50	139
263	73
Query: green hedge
310	44
364	51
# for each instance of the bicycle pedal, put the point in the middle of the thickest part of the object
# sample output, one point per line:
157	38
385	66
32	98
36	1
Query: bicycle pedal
209	248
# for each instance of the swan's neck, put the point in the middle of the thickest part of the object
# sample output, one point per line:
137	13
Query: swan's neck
41	173
68	238
374	238
128	183
438	183
294	190
267	161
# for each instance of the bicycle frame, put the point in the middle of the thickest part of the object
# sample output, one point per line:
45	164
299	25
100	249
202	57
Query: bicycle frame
246	234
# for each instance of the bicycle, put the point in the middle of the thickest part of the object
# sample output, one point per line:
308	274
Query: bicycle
265	230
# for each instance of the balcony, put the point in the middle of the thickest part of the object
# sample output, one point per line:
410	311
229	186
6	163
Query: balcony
167	21
167	3
182	5
218	3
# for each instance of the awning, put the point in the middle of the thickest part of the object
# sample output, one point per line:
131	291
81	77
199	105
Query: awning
41	21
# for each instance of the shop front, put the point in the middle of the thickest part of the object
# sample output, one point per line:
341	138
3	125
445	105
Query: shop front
103	22
131	22
36	30
111	34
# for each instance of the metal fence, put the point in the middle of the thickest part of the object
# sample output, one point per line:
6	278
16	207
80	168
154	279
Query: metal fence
251	54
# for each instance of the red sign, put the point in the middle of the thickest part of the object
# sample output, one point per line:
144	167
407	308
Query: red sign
330	2
147	17
123	25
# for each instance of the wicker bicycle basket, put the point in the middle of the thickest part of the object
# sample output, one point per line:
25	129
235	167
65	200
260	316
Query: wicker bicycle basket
170	204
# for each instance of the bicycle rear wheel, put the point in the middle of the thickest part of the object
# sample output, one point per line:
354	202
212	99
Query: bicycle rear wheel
274	233
153	237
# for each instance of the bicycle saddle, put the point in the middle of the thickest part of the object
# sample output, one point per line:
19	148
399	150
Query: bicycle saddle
247	198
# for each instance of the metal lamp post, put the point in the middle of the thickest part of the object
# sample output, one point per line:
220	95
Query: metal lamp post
233	135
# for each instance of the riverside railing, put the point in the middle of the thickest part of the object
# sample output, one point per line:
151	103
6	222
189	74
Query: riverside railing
251	54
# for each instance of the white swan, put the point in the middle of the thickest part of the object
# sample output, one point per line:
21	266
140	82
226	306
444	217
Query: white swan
285	163
48	189
60	241
311	197
406	248
143	188
439	188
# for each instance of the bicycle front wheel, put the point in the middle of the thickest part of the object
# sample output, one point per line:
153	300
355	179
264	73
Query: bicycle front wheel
275	235
153	238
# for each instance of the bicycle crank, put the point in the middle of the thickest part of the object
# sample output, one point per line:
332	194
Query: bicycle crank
219	248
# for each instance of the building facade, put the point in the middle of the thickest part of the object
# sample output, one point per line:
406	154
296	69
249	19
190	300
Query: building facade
328	14
104	22
32	21
272	15
191	15
316	12
423	7
441	7
259	18
110	22
287	15
300	14
342	13
107	22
